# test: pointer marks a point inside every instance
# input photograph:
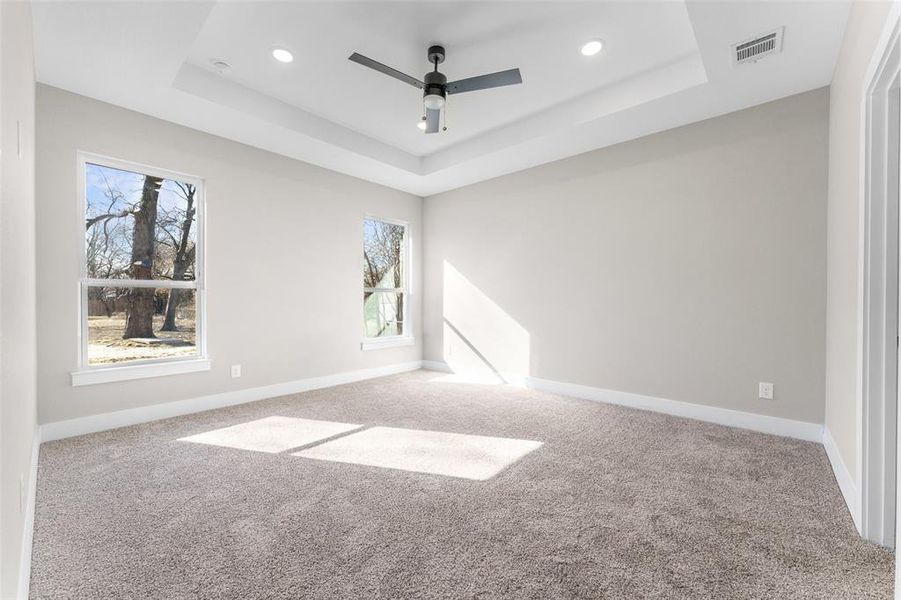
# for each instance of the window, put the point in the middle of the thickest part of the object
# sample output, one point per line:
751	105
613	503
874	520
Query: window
385	287
141	280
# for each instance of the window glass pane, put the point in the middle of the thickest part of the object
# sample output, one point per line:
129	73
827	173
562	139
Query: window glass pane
383	314
383	254
126	324
139	226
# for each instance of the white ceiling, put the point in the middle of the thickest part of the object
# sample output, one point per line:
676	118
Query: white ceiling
666	64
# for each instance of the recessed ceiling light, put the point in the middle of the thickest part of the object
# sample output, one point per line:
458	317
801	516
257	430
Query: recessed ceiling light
593	47
282	55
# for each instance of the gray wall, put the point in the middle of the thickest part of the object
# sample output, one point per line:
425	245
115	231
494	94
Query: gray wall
284	244
17	281
845	130
687	265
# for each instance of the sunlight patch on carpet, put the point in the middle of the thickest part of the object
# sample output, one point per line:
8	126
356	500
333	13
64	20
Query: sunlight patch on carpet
271	434
440	453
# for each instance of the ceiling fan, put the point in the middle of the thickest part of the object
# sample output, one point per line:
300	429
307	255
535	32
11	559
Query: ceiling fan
435	86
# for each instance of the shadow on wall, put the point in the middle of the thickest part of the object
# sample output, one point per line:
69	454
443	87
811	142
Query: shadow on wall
481	341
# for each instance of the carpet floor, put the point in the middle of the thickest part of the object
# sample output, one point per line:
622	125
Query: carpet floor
564	498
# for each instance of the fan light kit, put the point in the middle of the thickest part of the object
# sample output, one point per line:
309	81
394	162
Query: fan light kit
433	102
593	47
282	55
435	86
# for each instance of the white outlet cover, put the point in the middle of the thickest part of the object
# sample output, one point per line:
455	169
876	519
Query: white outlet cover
236	370
765	390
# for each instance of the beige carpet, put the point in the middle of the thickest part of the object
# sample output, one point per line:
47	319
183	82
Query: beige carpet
414	487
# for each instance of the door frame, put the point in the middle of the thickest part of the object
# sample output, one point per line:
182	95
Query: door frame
880	268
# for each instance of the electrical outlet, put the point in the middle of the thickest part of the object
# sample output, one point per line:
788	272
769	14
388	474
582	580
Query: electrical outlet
765	390
236	371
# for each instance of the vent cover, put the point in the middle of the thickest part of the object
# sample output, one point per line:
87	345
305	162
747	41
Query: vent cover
761	46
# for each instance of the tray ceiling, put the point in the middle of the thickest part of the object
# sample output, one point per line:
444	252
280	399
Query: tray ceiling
664	64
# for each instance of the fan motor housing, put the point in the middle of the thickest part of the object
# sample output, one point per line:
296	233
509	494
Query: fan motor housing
435	83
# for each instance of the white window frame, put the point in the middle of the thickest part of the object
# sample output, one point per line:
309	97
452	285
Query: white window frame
88	374
405	339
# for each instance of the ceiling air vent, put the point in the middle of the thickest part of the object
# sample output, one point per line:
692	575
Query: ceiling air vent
760	47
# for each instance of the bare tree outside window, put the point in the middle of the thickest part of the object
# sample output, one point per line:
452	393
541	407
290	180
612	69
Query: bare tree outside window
141	259
384	254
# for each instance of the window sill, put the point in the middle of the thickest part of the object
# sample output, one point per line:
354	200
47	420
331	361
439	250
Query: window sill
390	342
110	374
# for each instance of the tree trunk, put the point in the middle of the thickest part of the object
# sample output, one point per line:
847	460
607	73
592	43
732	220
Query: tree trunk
184	256
171	305
139	301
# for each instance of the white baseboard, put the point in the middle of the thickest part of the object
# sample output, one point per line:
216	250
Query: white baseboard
513	379
846	484
436	365
28	524
803	430
123	418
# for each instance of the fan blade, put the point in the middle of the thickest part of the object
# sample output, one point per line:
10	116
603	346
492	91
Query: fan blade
484	82
374	64
432	116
